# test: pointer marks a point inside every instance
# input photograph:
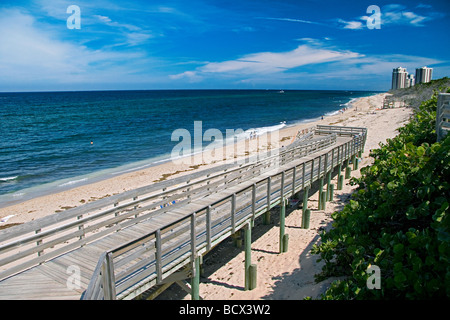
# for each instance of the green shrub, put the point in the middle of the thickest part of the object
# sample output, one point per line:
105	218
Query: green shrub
397	219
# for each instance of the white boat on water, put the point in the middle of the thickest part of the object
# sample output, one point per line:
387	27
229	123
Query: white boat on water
281	91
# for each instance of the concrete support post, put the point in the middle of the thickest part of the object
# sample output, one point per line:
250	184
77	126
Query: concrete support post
323	202
320	192
328	184
348	172
331	192
195	280
305	199
248	255
266	218
305	218
283	240
340	182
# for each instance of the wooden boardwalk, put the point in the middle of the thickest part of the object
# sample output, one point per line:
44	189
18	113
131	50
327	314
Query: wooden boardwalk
443	116
124	245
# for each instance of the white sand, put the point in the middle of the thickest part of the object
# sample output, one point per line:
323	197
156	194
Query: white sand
280	276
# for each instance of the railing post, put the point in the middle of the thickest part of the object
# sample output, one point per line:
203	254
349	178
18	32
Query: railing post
303	175
158	256
294	174
193	238
320	167
208	228
253	201
109	281
39	242
81	228
233	212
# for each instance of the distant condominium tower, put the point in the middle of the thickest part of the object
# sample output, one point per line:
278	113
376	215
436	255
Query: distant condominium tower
410	80
423	75
399	78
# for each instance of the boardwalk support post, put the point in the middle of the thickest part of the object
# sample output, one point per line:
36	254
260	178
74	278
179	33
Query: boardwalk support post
347	172
320	193
248	257
266	218
331	192
283	238
323	201
328	184
305	199
356	163
340	182
305	219
253	276
195	281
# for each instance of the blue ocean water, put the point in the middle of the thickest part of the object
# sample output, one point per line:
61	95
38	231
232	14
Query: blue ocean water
50	141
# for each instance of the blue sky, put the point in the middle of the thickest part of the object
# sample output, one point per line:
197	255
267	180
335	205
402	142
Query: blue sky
213	44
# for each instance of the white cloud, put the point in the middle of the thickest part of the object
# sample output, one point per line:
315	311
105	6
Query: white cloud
292	20
394	14
107	20
264	63
31	53
354	25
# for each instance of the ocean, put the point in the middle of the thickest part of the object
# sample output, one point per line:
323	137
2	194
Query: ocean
53	141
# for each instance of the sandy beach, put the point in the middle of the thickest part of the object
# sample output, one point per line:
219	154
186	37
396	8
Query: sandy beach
280	276
290	275
360	114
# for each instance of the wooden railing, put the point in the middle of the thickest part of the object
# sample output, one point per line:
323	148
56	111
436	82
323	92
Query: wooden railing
152	258
443	115
35	242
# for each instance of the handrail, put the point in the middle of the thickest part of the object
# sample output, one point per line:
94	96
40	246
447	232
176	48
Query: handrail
98	219
200	240
442	115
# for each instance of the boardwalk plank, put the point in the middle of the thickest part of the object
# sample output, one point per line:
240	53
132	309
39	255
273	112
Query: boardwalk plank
49	280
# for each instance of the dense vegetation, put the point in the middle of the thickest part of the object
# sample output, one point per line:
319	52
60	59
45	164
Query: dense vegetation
398	220
413	96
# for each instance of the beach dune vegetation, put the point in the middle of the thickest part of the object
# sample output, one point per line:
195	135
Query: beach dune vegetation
397	219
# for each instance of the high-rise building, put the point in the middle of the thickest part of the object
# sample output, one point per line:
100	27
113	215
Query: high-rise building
399	78
423	75
410	80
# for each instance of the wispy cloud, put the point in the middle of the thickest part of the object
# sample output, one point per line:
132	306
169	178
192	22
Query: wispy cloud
312	62
133	35
353	25
265	63
394	14
292	20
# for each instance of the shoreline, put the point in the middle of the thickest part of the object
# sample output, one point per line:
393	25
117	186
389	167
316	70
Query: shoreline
285	276
66	184
291	275
52	203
